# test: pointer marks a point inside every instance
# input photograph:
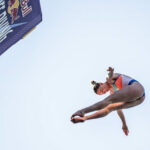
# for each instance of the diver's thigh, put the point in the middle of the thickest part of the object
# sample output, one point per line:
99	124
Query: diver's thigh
126	94
115	106
133	103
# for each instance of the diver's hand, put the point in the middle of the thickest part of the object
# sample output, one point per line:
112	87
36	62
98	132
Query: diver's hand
125	130
78	113
110	69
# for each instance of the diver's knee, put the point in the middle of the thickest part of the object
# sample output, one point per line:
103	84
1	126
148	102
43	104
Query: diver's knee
107	110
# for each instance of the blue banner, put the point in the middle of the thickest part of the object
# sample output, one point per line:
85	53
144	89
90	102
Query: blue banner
17	18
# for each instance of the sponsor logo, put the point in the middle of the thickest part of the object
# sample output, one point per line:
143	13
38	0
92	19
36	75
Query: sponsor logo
25	8
13	7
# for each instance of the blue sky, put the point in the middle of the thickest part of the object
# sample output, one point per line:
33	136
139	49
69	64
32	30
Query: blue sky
46	77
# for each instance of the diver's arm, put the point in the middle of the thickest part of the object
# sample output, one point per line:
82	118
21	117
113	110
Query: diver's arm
115	76
124	125
110	72
111	75
122	117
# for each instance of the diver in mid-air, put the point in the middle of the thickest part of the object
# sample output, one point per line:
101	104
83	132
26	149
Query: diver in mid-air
125	92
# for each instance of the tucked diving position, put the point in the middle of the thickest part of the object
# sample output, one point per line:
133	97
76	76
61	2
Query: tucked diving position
125	92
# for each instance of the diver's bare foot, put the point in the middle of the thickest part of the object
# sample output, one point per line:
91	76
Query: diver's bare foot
125	130
78	119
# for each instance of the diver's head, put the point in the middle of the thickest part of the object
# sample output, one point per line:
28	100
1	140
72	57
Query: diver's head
101	88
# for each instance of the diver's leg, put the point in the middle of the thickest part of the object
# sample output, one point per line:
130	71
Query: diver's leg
101	113
133	103
111	107
126	94
115	106
105	111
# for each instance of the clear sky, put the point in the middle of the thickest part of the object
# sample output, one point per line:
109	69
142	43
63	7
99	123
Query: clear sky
46	77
